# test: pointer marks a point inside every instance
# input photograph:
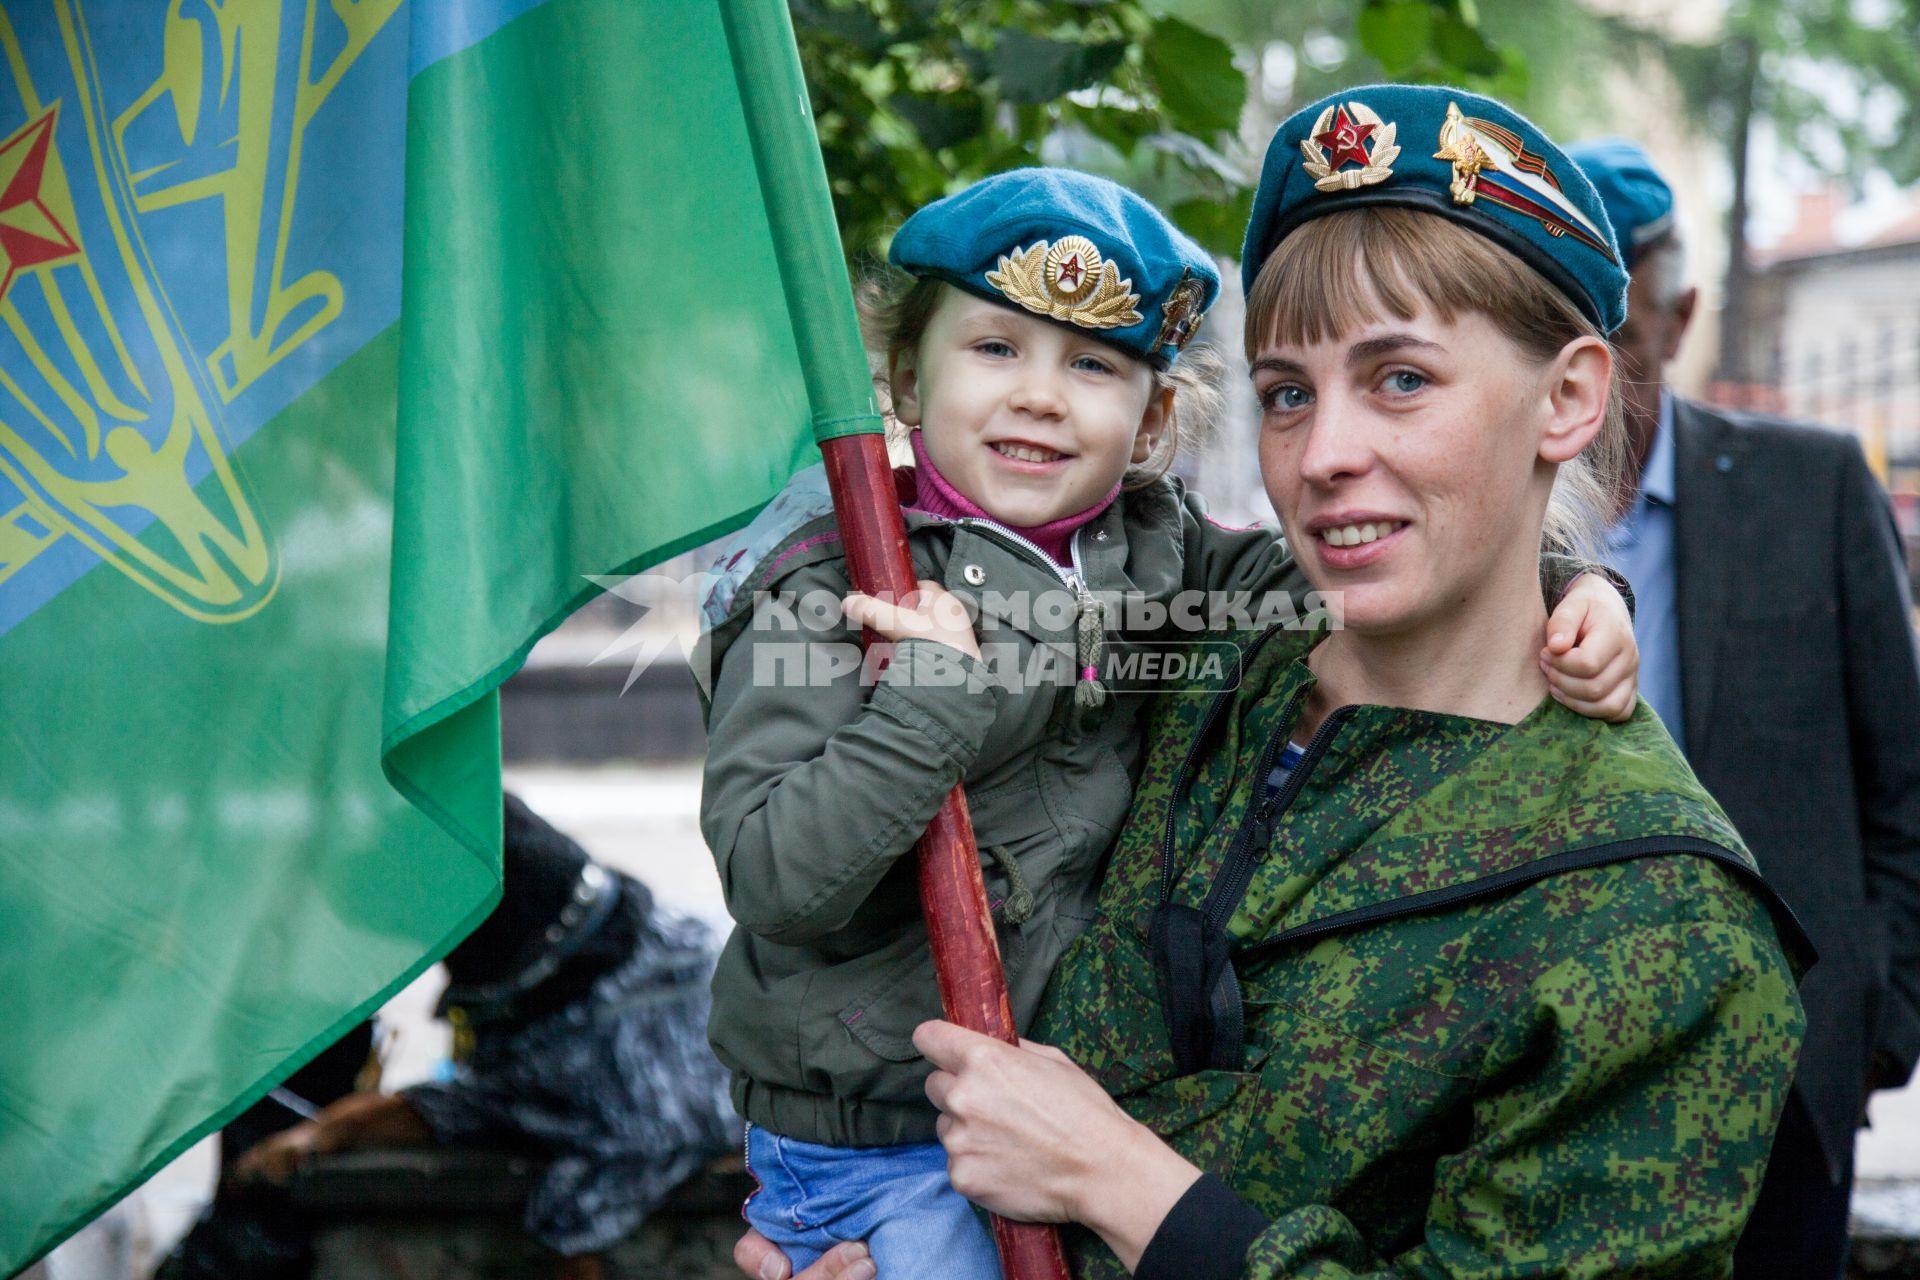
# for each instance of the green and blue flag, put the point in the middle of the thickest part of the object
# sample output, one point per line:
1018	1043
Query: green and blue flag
339	344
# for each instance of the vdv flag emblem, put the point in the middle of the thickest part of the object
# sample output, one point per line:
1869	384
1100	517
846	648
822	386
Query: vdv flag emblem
304	442
166	281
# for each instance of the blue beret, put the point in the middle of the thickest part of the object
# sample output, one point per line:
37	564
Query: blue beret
1076	249
1448	152
1638	199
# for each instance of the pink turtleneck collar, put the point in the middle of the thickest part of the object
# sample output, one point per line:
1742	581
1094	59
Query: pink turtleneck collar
935	496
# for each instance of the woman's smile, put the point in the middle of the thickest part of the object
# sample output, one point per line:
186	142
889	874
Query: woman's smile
1350	540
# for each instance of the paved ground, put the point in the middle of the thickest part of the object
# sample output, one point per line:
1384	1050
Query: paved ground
645	821
1891	1148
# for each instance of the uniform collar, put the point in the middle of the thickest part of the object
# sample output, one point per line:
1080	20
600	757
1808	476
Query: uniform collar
1415	802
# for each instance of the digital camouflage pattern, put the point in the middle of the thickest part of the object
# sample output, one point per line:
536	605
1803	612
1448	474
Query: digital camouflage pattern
1576	1078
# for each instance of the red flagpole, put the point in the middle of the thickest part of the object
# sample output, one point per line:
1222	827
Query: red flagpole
773	92
953	895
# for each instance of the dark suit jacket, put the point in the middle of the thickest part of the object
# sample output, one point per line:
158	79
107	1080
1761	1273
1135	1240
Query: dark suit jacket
1801	690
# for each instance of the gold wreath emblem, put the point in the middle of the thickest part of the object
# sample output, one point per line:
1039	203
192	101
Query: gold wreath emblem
1380	155
1067	280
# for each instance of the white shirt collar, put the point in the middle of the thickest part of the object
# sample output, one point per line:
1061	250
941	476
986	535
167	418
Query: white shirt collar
1656	479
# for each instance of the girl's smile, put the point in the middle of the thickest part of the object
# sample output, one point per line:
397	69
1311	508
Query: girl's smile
1019	453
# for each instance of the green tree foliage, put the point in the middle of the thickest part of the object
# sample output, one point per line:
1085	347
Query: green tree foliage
1535	56
917	98
1837	80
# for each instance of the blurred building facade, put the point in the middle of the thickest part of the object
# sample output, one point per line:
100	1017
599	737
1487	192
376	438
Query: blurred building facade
1835	333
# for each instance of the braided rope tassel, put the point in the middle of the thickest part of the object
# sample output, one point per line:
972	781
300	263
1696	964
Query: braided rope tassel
1089	692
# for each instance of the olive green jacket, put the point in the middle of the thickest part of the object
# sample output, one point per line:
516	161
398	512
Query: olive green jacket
1514	1002
814	790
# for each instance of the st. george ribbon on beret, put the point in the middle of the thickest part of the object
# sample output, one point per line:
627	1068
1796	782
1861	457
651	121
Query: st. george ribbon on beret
1637	198
1076	249
1462	156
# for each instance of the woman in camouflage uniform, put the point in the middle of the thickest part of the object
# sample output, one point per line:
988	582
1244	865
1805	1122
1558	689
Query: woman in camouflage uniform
1400	968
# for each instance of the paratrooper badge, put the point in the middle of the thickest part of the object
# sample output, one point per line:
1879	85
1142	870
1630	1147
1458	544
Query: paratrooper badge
1067	280
1181	312
1491	162
1349	133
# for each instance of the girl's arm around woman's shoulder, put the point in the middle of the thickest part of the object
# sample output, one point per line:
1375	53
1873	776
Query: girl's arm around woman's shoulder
818	776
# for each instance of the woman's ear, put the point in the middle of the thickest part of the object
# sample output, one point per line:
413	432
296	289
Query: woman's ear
1580	386
903	382
1153	424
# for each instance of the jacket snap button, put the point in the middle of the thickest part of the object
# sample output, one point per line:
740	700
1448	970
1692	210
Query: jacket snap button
974	575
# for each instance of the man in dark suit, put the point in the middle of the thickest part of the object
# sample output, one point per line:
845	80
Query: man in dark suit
1776	642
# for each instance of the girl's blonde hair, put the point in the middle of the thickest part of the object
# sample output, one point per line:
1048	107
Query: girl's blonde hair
1336	272
895	309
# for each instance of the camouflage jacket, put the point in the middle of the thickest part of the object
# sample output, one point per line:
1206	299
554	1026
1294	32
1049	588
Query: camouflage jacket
1513	1001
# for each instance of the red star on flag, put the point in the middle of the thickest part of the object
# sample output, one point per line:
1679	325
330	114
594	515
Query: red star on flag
1071	272
1346	140
31	233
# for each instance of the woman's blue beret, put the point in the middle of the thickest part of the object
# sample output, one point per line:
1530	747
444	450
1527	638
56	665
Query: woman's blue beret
1456	154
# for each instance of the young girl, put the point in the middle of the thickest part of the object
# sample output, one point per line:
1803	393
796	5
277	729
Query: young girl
1036	354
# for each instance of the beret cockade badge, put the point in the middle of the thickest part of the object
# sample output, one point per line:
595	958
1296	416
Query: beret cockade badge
1067	280
1349	133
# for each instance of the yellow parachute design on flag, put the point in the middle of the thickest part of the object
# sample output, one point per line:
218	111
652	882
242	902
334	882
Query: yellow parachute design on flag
114	406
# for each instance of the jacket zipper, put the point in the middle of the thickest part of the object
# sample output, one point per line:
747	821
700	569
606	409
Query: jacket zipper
1180	776
1073	554
1072	577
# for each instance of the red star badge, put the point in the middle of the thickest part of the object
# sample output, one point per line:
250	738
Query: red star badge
1346	141
31	233
1071	272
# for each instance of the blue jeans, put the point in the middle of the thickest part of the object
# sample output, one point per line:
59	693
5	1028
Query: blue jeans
897	1199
